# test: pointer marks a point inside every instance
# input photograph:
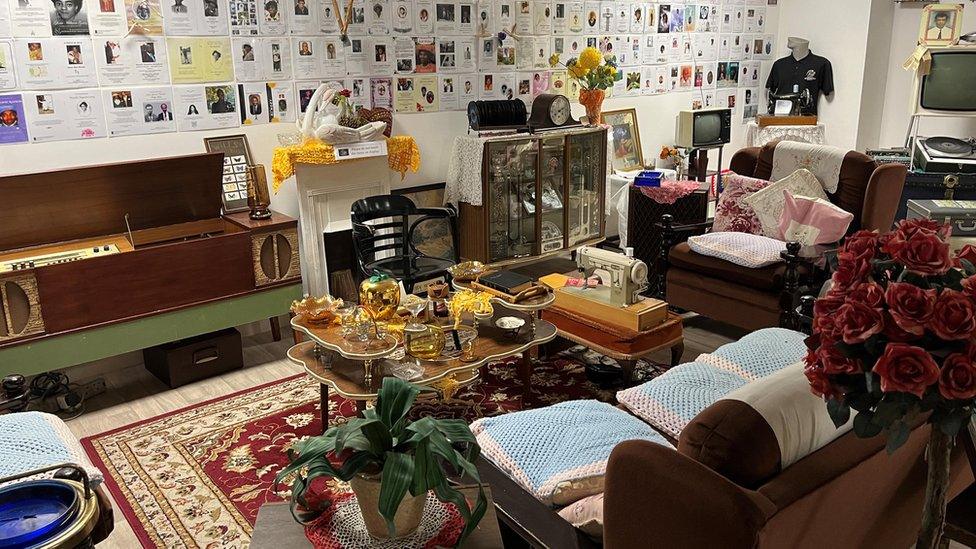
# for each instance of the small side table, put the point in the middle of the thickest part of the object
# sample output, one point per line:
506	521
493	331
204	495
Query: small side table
275	528
623	346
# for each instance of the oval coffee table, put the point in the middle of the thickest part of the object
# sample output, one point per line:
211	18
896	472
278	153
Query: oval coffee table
356	373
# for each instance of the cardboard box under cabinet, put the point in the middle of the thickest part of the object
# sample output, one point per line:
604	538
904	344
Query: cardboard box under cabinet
195	358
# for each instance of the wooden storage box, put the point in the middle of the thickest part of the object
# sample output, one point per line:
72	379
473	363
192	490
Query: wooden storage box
639	317
195	358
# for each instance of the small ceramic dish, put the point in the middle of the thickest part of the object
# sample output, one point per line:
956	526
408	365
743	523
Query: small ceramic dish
511	324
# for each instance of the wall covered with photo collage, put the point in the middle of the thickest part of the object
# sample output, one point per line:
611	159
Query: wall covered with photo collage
81	69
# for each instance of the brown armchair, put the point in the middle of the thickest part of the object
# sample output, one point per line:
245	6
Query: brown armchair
759	298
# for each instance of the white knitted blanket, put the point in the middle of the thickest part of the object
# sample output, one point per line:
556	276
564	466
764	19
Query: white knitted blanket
823	160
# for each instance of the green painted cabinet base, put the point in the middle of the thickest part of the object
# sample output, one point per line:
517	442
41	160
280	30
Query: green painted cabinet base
85	346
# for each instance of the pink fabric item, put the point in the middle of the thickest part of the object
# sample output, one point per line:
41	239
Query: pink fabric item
670	191
731	213
812	221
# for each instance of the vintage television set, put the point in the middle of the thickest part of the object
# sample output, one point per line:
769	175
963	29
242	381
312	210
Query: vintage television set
945	87
950	85
703	128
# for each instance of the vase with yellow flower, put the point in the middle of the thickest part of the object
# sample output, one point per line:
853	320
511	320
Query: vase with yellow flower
595	73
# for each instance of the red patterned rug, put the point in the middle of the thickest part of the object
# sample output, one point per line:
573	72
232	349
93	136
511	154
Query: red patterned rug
197	476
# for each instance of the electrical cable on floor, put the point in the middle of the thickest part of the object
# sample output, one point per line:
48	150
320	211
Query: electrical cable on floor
53	384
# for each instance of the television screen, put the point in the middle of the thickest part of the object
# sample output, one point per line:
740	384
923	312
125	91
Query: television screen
951	84
708	128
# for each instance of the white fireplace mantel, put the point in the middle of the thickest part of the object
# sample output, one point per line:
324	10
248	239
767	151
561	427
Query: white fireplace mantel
325	197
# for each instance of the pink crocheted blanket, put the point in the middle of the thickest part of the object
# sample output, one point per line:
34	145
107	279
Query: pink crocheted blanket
670	191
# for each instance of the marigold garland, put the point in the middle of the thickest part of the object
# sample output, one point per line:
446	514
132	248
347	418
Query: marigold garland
402	154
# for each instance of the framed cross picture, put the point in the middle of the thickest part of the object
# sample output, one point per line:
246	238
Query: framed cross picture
624	138
940	25
237	157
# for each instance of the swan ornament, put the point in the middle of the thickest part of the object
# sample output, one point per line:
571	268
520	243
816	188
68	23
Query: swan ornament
321	121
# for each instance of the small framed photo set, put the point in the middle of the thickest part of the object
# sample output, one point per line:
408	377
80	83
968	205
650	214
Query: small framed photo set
237	157
624	138
941	24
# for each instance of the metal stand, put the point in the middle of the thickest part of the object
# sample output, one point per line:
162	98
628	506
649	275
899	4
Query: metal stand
700	157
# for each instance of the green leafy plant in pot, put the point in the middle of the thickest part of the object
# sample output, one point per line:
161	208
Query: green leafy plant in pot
391	464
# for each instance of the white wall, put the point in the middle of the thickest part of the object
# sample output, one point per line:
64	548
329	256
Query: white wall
434	132
899	94
837	30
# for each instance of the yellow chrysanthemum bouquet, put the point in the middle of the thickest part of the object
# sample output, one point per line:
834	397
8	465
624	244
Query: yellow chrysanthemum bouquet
595	73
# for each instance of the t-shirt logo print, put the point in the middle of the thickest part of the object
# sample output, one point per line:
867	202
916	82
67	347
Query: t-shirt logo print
811	76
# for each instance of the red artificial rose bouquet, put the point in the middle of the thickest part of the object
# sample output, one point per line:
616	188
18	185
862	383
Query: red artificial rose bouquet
894	340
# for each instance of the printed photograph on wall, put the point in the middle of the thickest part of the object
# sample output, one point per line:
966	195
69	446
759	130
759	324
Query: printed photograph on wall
940	24
626	154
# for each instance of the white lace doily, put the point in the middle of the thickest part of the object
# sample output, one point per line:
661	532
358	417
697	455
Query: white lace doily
757	137
343	526
464	171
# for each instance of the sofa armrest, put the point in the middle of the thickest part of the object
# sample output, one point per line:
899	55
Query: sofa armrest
656	497
882	196
744	161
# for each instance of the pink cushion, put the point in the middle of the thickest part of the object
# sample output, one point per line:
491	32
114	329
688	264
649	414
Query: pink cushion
812	221
731	213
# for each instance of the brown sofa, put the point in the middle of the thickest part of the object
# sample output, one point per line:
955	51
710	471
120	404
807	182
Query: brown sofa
848	494
759	298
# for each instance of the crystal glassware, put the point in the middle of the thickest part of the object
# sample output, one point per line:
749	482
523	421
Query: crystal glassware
415	307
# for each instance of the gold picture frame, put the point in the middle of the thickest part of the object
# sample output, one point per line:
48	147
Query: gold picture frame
624	140
941	25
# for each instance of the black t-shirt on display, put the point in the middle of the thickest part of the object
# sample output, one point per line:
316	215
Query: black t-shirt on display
813	73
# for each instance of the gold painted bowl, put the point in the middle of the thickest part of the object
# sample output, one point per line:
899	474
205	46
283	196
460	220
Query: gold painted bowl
466	271
317	310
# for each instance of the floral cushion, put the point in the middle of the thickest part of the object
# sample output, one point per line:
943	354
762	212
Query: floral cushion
769	203
731	213
586	514
559	453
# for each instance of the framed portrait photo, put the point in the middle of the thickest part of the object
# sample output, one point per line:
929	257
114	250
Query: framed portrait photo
941	24
237	157
624	138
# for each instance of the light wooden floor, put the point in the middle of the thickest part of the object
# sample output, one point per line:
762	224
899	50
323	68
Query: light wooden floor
134	394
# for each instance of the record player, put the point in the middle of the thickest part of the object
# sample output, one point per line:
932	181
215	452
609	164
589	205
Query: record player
945	155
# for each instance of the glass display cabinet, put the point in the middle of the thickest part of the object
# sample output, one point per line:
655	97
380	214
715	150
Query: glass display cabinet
541	194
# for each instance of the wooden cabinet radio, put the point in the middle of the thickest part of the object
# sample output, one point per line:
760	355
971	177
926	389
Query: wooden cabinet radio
162	245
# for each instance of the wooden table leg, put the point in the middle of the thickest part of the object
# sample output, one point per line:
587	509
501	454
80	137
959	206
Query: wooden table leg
324	404
628	367
676	353
275	328
525	372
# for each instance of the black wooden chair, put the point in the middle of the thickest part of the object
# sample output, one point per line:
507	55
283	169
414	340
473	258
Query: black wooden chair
384	229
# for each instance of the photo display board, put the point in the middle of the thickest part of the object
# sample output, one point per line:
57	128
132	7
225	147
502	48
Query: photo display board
80	69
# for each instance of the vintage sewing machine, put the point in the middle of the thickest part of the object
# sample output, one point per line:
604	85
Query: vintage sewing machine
801	103
624	279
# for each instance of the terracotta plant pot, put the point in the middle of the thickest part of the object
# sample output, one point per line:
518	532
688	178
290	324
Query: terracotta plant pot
408	515
593	101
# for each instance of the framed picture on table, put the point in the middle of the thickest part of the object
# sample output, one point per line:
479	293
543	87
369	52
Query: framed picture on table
625	147
940	25
237	157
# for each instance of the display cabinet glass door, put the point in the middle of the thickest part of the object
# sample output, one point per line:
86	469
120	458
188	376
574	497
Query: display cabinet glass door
511	198
552	192
587	157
